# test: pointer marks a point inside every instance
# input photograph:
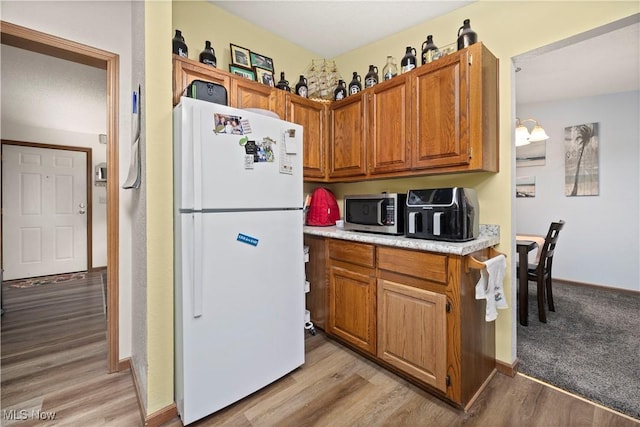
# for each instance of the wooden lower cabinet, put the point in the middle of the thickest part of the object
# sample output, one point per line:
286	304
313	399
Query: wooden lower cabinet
316	274
412	331
352	295
413	312
352	305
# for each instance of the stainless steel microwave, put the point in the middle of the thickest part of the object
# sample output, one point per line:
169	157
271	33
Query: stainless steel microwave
376	213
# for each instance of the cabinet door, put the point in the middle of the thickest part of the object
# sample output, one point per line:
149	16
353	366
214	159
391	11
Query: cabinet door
316	271
249	94
186	70
347	137
388	107
412	331
312	116
441	113
352	305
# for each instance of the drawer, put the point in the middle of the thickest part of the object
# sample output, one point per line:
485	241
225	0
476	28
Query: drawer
355	253
423	265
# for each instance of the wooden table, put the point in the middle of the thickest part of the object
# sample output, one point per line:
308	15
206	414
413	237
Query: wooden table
524	247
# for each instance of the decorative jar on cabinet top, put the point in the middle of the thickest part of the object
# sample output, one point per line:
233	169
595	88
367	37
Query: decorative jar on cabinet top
390	69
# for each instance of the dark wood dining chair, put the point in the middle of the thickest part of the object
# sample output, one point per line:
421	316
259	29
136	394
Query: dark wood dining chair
541	271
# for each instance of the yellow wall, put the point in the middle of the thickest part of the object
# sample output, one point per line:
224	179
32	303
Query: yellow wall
507	28
200	21
159	164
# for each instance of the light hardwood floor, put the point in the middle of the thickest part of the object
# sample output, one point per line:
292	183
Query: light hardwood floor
54	360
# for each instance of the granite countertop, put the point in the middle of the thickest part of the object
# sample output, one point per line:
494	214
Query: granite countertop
489	235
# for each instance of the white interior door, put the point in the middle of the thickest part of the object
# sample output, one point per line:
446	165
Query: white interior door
44	202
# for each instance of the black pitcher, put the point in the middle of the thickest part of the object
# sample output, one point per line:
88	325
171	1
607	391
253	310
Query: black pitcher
208	55
355	86
340	92
179	46
371	78
429	50
466	36
301	87
409	61
283	83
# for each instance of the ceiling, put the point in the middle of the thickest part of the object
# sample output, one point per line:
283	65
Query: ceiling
351	24
604	60
594	64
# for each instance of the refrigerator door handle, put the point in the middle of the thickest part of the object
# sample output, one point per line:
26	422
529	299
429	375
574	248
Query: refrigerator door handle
197	161
197	265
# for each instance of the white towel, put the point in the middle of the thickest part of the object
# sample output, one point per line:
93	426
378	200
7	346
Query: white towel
490	287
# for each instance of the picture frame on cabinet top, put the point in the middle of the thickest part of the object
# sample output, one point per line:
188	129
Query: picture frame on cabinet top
262	61
264	76
240	56
242	72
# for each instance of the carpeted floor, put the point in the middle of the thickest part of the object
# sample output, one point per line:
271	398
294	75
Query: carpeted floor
589	346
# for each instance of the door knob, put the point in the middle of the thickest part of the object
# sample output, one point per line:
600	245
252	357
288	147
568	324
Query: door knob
82	209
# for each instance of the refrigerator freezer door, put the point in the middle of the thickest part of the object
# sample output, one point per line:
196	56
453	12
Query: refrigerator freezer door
248	330
259	168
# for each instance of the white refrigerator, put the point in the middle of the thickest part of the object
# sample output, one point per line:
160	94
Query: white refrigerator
239	274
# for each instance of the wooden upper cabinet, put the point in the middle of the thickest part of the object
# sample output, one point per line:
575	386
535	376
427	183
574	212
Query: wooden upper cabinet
313	117
186	70
241	92
388	107
441	117
249	94
441	114
347	153
455	112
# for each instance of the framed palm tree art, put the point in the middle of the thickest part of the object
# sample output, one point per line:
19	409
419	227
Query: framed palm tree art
581	160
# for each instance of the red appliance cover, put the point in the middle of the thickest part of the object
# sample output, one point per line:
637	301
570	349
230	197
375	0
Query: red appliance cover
323	209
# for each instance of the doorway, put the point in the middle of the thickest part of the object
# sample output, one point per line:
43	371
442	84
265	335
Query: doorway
46	210
35	41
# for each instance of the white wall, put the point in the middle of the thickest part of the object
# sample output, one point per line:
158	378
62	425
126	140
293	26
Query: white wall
34	88
600	241
105	25
139	357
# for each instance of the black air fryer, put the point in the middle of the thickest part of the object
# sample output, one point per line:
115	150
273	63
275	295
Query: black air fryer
449	214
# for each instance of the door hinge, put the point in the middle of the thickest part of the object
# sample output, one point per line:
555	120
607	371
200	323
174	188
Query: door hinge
448	381
470	59
448	307
470	153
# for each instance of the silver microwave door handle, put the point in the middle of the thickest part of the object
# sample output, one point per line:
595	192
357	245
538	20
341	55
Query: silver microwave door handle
379	207
436	223
412	222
